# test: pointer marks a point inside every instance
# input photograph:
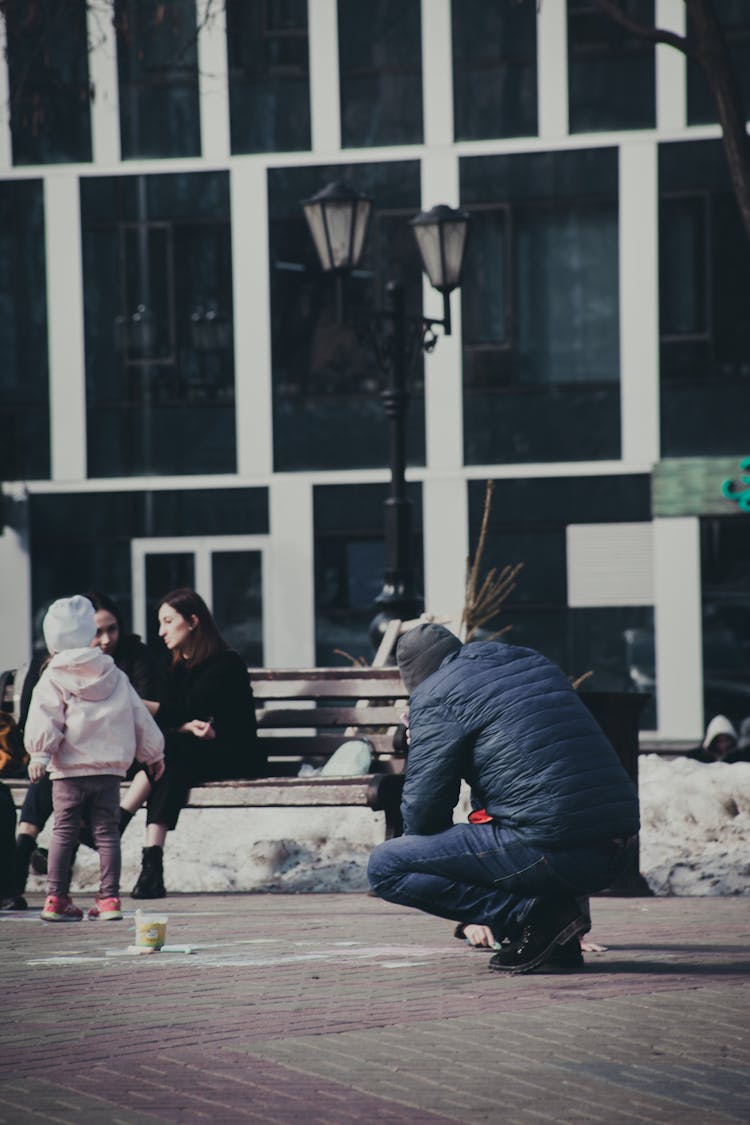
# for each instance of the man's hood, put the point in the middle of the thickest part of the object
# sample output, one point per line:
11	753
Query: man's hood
85	672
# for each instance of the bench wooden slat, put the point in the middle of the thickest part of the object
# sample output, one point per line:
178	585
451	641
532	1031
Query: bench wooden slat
294	792
322	745
321	717
346	675
326	683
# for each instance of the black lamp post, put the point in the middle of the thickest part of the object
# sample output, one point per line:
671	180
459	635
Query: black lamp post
338	217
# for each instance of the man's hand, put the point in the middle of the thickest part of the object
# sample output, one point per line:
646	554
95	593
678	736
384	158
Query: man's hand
36	771
479	936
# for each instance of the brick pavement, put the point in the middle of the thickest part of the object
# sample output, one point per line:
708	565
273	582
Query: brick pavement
334	1008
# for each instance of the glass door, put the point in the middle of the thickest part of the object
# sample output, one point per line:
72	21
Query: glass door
227	571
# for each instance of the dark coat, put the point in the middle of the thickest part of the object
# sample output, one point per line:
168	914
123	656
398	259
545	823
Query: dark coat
507	720
218	689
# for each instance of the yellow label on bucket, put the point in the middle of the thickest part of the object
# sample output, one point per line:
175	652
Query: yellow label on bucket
150	930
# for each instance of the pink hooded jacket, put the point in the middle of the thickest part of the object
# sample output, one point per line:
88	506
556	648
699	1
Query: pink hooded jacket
86	718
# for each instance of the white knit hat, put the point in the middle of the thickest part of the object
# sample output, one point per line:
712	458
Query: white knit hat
69	623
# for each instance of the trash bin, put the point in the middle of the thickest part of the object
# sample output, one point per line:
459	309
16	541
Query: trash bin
618	713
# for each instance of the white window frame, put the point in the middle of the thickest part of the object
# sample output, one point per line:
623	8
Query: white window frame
202	547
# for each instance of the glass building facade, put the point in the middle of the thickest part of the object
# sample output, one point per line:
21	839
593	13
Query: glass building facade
186	399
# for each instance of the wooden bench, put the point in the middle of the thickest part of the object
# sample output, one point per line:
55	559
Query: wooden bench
303	715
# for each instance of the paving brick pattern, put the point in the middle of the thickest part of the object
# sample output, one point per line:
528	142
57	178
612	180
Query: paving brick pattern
341	1008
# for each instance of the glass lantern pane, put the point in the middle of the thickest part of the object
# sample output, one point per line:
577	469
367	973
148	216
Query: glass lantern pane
339	220
428	241
361	223
315	221
454	242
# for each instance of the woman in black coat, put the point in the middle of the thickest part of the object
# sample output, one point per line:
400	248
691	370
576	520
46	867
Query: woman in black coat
205	709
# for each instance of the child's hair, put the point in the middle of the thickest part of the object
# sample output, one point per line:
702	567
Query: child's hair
205	639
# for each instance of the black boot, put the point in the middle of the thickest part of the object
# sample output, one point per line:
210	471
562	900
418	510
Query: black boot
549	924
25	847
151	879
39	861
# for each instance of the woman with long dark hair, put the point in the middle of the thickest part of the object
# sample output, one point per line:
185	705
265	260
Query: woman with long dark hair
206	712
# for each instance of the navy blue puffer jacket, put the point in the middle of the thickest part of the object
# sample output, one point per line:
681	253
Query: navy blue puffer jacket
507	720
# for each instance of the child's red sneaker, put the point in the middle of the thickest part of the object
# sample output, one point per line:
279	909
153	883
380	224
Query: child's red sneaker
59	908
106	909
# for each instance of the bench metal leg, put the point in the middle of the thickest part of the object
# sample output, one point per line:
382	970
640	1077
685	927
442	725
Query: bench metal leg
384	795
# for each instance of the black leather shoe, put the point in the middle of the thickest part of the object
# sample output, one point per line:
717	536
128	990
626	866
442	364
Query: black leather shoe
17	902
566	956
549	925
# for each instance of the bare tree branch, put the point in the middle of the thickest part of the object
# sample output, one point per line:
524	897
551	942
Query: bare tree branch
642	30
707	47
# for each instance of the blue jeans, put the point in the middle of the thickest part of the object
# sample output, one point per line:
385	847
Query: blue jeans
484	873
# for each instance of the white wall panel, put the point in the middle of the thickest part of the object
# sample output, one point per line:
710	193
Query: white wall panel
289	597
610	564
62	226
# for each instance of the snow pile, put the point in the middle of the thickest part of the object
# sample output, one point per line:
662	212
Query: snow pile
695	840
695	826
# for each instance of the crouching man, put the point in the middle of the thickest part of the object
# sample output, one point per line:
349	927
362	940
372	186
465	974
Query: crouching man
554	807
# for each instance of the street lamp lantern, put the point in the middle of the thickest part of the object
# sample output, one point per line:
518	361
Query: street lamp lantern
441	238
338	217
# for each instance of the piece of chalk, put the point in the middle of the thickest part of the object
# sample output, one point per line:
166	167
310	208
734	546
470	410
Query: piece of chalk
177	949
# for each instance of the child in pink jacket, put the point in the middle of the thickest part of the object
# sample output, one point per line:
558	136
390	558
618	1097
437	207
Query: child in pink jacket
85	725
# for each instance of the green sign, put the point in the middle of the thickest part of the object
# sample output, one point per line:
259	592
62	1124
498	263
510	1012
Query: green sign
699	486
741	498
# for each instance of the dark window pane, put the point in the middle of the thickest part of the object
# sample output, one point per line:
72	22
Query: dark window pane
269	97
527	524
350	563
494	69
683	234
540	301
563	500
209	511
164	573
158	317
49	81
704	281
380	72
24	375
326	378
725	582
157	63
238	602
611	73
734	18
81	541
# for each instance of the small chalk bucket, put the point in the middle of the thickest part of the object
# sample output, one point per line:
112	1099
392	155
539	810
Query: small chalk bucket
150	930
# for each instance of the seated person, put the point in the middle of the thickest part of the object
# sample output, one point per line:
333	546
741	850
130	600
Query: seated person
206	712
719	744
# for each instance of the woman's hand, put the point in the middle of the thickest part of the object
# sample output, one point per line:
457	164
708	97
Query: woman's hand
36	772
156	770
199	728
